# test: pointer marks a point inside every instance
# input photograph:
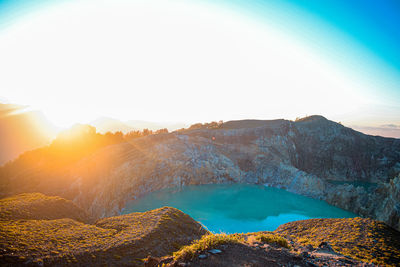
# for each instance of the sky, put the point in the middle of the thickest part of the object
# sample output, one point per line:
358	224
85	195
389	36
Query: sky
197	61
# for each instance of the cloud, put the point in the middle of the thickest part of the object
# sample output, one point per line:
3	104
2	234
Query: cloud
386	130
390	126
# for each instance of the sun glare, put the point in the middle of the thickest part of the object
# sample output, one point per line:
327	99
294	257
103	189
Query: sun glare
164	61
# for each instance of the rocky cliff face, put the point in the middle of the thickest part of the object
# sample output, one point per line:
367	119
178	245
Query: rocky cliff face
314	157
332	151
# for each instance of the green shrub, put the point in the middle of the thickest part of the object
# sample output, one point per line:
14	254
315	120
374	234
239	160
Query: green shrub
272	239
206	242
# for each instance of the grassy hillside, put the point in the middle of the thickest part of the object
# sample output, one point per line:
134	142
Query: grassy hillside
39	237
364	239
36	206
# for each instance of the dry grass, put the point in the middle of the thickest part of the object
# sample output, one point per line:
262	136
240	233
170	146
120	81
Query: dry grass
271	238
43	239
206	242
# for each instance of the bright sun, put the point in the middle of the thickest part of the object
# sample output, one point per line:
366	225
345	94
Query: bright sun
164	61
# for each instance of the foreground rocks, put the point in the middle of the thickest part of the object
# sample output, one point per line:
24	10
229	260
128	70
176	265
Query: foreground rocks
313	156
269	255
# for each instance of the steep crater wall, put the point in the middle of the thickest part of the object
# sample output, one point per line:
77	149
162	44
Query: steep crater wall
305	157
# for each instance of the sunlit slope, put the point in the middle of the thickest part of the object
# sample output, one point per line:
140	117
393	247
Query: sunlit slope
22	130
46	169
122	240
36	206
303	157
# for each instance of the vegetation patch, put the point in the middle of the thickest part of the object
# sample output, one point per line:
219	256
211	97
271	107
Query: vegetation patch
37	239
206	242
271	238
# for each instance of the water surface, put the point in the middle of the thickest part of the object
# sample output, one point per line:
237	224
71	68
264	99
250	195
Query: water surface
238	207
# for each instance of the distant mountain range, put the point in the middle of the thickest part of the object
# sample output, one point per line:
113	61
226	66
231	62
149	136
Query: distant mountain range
386	130
22	129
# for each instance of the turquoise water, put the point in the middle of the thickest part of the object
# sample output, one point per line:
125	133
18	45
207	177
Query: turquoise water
238	208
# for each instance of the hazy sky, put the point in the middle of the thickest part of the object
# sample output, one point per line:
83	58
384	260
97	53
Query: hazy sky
191	60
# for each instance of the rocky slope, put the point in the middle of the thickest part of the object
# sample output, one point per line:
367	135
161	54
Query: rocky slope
314	157
15	122
63	241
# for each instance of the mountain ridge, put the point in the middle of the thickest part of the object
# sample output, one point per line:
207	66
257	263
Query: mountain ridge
305	157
